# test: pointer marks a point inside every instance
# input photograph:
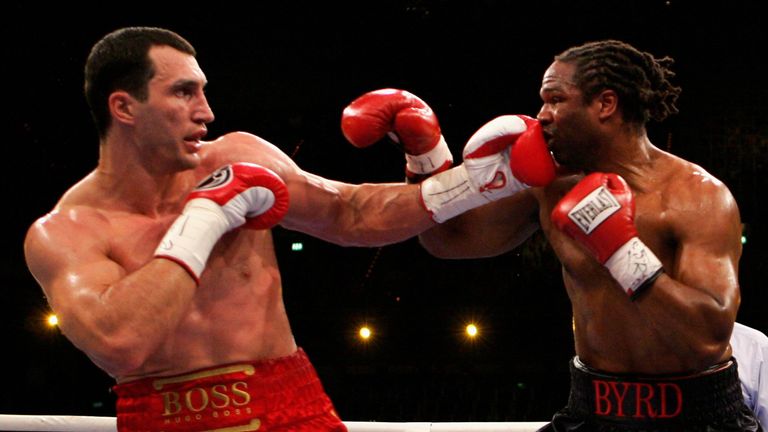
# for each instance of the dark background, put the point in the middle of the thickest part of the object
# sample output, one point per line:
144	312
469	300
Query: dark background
285	73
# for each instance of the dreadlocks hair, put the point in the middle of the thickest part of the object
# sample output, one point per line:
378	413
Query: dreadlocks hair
640	80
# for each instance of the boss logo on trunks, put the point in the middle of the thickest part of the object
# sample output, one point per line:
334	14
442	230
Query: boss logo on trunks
637	400
596	207
219	177
198	399
204	402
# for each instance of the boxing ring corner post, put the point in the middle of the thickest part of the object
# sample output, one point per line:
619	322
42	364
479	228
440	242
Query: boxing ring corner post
44	423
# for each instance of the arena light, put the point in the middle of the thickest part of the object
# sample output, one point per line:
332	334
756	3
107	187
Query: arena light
365	333
52	320
297	246
744	233
472	331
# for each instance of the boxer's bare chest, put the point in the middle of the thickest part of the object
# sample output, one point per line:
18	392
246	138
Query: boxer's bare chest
132	238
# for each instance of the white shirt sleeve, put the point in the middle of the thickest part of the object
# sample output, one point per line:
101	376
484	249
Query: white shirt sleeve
750	348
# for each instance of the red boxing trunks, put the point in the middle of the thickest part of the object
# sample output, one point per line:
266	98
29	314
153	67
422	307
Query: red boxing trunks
709	401
282	394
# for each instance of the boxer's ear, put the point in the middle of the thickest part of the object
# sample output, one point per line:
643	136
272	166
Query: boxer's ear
607	103
121	107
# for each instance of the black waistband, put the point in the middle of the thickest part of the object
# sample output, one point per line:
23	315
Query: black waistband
655	400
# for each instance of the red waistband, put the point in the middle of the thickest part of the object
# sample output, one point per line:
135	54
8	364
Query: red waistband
246	396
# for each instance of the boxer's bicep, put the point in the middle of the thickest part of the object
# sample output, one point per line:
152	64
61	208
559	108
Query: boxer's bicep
313	203
73	268
709	246
355	215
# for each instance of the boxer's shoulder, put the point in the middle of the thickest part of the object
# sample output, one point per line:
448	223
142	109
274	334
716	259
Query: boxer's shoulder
240	147
66	228
76	222
689	188
673	174
241	142
237	147
86	209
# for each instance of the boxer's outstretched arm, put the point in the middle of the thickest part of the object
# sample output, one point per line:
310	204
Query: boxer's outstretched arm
347	214
341	213
355	215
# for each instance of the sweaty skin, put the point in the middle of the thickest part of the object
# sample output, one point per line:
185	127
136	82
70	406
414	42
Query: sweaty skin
688	218
136	315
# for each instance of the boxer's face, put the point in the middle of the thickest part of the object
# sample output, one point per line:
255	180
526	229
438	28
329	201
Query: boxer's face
172	121
567	121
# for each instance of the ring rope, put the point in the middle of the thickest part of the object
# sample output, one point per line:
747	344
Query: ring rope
52	423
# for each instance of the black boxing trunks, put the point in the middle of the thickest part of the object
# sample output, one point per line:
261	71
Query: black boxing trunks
282	394
710	401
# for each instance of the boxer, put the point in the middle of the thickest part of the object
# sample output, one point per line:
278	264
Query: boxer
649	245
160	265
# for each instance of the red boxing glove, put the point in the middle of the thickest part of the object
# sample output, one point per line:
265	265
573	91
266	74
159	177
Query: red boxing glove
241	194
599	212
530	158
520	141
406	119
506	155
248	194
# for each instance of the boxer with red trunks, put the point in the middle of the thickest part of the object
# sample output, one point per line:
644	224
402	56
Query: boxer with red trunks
649	245
160	265
276	394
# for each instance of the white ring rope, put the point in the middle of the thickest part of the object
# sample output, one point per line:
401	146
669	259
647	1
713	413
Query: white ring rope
12	422
42	423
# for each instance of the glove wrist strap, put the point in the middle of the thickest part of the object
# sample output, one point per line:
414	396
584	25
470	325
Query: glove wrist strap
437	159
450	193
634	266
193	234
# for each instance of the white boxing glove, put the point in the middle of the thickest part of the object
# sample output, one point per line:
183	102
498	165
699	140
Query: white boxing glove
506	155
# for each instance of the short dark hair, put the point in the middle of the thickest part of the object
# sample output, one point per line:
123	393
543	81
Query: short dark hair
640	80
120	61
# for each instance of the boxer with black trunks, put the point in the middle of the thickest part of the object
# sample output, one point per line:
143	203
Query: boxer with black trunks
160	266
649	245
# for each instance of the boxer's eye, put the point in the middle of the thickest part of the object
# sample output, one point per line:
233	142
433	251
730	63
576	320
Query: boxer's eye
185	90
